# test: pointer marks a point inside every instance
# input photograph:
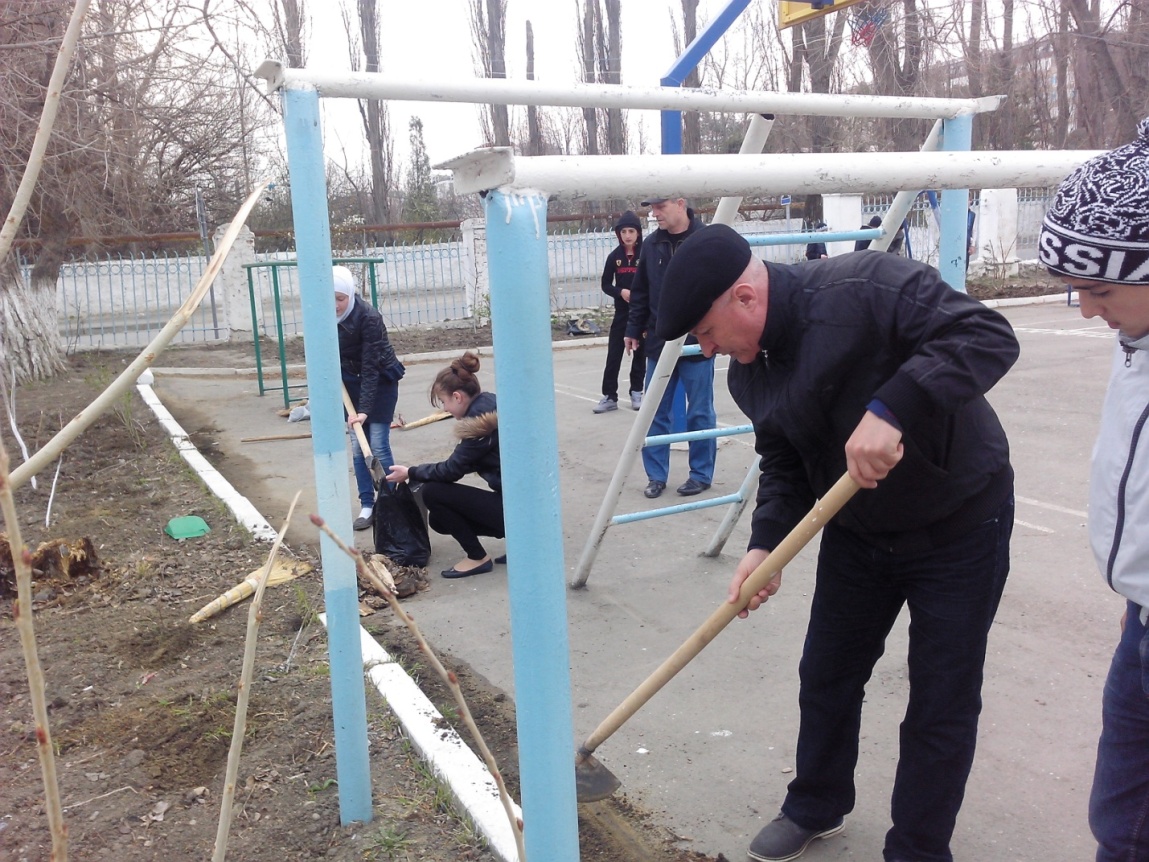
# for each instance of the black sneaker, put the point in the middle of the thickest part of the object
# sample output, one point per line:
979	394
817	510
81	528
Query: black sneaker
782	839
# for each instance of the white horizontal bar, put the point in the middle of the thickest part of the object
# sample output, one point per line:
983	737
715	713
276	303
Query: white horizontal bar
500	91
603	177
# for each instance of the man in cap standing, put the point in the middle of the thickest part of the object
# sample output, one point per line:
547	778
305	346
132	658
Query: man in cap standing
676	222
1095	237
871	364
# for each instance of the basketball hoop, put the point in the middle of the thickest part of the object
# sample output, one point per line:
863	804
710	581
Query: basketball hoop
865	19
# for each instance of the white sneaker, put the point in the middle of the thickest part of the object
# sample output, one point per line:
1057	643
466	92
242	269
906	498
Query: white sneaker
605	405
635	400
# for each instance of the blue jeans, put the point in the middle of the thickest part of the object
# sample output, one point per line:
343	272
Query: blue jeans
698	382
1119	803
378	433
952	593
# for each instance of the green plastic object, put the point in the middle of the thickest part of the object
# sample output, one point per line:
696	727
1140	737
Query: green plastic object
187	527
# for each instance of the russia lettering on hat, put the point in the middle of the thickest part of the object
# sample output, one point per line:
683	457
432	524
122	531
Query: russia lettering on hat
1097	227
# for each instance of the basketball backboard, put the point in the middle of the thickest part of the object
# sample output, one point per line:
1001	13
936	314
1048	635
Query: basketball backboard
791	12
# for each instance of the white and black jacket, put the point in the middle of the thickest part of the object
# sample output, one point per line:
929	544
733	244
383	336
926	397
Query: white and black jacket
1119	484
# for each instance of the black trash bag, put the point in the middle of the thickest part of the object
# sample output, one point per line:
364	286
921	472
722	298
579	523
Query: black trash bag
586	326
400	531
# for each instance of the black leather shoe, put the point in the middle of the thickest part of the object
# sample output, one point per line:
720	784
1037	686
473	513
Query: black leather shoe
782	839
501	559
481	569
654	489
691	487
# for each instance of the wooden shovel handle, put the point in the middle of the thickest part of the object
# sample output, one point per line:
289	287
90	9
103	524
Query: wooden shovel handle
358	426
787	549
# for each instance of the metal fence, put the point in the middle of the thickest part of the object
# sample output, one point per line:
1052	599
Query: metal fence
123	301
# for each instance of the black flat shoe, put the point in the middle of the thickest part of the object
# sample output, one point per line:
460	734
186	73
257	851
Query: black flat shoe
481	569
501	559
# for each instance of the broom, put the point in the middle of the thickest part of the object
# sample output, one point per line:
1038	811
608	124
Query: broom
282	572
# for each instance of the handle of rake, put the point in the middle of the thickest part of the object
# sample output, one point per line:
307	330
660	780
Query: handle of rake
787	549
378	471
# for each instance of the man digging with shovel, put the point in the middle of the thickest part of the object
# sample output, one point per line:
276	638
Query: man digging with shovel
868	364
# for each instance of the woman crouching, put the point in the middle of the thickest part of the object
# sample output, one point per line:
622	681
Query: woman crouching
463	511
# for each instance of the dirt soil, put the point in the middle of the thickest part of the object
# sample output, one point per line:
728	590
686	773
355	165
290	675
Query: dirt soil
142	702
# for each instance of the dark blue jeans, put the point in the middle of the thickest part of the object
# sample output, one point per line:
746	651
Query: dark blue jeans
377	430
1119	804
952	593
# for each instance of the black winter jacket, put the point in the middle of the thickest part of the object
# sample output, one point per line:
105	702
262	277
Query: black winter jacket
846	330
619	269
366	356
476	452
646	289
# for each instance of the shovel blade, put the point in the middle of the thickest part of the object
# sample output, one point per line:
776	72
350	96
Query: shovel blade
593	781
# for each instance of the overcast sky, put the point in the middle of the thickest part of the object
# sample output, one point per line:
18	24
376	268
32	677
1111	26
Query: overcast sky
432	39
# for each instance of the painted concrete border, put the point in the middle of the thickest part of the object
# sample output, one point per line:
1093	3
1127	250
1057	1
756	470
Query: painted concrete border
474	789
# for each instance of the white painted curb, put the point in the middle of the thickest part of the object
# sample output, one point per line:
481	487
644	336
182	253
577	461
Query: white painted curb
441	748
239	505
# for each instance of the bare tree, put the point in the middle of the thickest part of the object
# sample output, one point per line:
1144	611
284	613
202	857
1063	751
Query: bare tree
488	30
611	73
589	34
1110	117
534	131
142	125
373	112
896	60
290	20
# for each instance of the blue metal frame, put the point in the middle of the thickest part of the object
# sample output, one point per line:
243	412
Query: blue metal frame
329	448
520	323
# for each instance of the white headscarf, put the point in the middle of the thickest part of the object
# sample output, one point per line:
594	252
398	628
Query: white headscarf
344	284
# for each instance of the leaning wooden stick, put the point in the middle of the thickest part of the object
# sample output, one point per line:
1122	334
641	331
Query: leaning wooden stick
254	614
426	420
272	437
21	561
281	573
106	399
367	570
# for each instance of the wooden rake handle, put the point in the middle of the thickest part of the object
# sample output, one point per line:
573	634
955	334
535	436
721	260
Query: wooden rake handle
787	549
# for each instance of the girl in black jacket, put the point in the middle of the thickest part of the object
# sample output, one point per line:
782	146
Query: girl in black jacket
371	374
464	511
617	274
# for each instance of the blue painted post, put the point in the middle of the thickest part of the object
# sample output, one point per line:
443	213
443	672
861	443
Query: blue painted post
520	320
957	134
329	449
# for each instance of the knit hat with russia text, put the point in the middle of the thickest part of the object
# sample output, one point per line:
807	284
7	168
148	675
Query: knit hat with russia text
1098	225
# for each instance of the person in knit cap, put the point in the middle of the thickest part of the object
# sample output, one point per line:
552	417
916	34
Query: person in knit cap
868	364
617	274
1095	237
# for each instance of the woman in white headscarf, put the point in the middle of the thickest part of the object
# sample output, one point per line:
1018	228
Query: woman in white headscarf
371	374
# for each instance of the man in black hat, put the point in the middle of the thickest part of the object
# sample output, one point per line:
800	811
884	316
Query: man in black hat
871	364
676	222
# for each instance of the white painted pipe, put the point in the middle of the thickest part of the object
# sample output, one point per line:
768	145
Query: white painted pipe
598	177
500	91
